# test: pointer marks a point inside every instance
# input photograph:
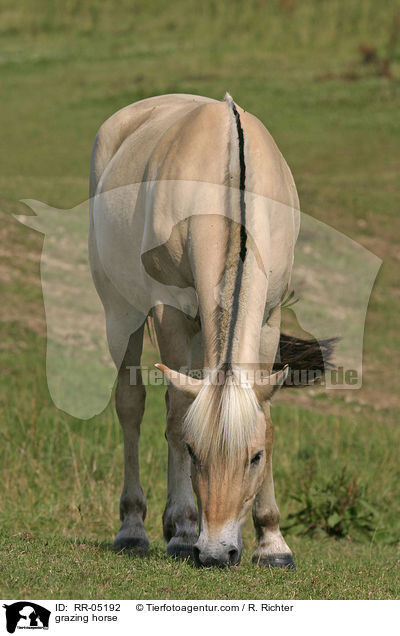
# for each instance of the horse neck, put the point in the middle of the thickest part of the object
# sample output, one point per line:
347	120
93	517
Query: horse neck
232	294
240	317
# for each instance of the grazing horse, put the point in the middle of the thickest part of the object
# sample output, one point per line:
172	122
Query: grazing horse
194	219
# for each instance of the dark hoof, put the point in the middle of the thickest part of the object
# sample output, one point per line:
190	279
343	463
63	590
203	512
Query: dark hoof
275	561
180	550
135	546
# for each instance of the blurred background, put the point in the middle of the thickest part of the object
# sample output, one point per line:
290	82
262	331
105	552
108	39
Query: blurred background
324	77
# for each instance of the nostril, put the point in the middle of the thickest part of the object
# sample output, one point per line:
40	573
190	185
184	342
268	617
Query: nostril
196	555
233	556
206	559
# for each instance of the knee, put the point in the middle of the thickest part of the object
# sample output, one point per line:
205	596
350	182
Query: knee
175	440
174	427
174	433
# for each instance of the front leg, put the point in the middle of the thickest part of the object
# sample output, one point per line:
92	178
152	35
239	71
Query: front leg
174	335
180	515
272	550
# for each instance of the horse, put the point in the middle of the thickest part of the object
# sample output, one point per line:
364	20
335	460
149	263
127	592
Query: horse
193	223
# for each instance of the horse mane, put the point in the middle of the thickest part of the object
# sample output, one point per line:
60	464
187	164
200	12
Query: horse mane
222	418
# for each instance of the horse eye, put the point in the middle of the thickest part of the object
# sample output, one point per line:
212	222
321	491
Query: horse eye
256	458
191	453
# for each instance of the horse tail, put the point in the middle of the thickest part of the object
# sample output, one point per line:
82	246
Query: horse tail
308	360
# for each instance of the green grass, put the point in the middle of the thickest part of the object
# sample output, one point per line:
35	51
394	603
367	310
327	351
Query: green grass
61	481
65	67
79	568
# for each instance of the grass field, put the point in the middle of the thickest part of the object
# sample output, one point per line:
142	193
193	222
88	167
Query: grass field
65	67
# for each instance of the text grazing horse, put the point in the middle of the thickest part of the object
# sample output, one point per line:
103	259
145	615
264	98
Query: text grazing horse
195	214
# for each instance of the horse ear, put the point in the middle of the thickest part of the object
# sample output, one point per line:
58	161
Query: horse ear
189	386
264	390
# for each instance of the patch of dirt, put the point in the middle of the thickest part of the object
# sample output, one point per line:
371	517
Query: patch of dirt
19	273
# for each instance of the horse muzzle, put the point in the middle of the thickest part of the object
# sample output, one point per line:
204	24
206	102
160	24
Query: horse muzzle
219	553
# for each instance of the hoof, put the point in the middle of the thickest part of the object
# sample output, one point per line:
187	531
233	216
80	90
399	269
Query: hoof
135	546
178	550
275	561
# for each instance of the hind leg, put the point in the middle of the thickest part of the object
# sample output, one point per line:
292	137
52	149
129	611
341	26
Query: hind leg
180	515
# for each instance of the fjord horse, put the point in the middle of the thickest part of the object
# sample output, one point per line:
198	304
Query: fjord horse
194	219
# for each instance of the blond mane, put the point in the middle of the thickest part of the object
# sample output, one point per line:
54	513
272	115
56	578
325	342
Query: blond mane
222	418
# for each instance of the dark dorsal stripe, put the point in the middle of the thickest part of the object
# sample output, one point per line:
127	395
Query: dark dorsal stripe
243	234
